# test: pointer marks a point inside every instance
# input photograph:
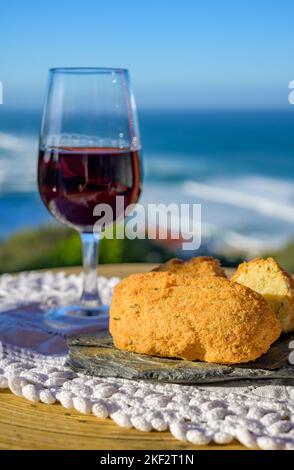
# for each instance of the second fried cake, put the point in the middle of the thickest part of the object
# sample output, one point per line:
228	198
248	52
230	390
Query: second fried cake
266	277
213	320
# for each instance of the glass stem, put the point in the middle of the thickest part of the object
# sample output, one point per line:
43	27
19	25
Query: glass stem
90	297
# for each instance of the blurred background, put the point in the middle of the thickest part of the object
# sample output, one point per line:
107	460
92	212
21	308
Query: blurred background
211	83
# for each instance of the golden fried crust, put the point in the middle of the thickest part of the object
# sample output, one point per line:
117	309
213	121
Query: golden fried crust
210	319
266	277
200	266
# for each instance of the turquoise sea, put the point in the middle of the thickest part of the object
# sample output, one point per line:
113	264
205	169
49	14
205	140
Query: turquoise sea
238	164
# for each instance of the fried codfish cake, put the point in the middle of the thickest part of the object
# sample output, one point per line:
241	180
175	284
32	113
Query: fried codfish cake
211	319
266	277
200	266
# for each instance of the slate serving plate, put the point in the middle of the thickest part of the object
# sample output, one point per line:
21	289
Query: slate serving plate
96	355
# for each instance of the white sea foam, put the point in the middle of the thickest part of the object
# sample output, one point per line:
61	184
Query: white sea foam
250	213
14	143
166	165
18	156
270	198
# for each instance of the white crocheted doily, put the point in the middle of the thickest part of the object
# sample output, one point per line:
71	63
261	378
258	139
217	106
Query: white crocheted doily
258	414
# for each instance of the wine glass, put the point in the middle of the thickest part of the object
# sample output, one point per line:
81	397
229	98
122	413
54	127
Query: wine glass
89	154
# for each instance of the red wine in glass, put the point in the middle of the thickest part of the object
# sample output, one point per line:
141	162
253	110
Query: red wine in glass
73	181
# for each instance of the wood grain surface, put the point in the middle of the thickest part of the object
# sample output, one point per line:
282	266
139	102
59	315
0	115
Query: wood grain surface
26	425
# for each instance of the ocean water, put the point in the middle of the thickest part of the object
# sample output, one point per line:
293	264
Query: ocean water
239	165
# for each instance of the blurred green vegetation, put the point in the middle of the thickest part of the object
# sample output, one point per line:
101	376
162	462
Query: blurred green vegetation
50	247
284	256
54	246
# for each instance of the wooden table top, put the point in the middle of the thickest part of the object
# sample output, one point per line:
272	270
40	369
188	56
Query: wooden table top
26	425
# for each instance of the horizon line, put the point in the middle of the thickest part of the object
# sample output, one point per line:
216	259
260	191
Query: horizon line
286	108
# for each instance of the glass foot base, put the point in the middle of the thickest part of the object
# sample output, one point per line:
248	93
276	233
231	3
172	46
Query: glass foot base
75	316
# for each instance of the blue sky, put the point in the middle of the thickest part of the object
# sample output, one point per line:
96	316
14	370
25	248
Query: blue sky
188	53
